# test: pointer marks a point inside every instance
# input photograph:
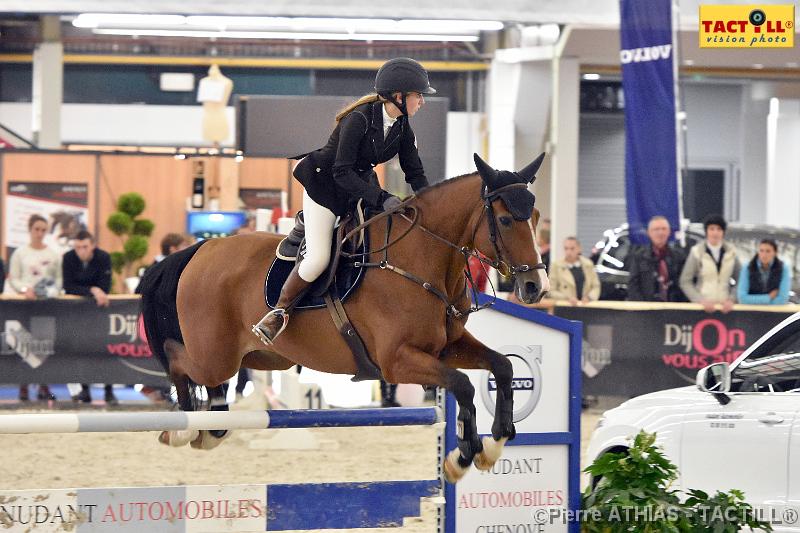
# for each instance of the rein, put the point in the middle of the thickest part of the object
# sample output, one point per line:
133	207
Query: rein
502	266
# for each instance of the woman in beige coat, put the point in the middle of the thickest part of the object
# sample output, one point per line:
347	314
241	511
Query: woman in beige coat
712	268
573	278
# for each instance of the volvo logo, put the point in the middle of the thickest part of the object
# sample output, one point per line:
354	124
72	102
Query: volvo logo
527	382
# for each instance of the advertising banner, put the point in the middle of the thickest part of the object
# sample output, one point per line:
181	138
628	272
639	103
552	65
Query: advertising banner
628	353
64	205
262	198
647	55
535	480
71	340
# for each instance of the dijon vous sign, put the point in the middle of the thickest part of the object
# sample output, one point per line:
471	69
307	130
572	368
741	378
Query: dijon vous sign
629	353
747	26
72	340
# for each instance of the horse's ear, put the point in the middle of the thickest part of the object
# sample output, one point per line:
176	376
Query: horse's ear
487	173
529	173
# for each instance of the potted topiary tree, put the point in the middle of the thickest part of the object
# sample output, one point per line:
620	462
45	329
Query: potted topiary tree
133	231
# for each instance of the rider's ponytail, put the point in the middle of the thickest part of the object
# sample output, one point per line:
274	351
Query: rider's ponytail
367	99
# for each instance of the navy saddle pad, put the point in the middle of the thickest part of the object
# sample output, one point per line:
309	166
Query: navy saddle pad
347	280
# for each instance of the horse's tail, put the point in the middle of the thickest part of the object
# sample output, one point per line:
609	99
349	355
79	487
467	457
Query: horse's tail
159	289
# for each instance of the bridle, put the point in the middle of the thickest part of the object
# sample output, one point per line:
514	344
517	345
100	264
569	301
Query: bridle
504	267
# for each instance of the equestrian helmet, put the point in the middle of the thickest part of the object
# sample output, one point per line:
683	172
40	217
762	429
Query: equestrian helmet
403	74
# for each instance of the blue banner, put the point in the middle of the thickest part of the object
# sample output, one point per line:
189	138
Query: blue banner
651	177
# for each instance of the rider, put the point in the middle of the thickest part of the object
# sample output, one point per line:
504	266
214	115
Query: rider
369	131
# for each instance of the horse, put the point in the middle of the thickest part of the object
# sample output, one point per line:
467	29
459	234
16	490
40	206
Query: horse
198	305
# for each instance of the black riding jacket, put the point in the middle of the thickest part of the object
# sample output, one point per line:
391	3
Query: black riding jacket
340	173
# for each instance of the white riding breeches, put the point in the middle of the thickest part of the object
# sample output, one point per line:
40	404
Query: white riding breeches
319	222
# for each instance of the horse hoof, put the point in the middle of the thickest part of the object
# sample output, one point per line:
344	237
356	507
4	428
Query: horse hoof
492	450
206	441
453	472
177	438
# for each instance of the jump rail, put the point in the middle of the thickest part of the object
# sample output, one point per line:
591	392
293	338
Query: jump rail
211	420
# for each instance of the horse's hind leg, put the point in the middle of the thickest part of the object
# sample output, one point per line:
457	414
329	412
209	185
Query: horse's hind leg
176	353
412	365
203	439
468	352
209	439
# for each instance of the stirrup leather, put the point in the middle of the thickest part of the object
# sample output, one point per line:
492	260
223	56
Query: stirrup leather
262	333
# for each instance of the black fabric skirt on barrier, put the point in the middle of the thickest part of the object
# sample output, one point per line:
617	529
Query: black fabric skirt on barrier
71	340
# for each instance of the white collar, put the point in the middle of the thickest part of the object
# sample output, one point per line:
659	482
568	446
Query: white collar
388	120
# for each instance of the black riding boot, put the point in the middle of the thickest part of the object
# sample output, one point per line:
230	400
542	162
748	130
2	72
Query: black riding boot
274	322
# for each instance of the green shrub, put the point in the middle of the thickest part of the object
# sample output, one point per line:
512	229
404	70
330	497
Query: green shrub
131	203
134	233
120	223
117	261
143	227
135	248
633	494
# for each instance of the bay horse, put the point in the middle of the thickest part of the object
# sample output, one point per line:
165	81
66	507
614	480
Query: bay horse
198	305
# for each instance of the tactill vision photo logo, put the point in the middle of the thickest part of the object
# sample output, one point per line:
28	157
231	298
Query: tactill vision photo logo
527	383
747	26
34	346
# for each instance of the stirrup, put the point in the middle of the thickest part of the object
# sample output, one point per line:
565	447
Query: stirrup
263	334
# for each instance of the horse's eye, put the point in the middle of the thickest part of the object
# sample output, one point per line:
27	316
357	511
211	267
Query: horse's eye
506	221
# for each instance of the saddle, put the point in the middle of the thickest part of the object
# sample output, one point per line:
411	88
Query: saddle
336	284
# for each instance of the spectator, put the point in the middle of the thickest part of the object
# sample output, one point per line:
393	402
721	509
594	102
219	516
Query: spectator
87	272
543	241
573	278
35	272
656	269
712	268
170	243
766	280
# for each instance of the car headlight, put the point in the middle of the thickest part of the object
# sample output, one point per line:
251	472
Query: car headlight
600	422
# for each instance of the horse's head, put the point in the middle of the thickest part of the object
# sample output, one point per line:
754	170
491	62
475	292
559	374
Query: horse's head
507	228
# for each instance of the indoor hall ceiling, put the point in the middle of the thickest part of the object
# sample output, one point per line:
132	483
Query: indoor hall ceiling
585	12
525	11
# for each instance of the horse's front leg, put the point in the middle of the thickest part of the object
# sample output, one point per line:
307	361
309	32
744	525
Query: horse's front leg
469	353
412	365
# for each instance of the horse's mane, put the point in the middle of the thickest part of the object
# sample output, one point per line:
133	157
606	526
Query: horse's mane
442	183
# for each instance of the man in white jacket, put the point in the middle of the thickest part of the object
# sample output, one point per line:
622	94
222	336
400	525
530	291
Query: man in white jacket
712	268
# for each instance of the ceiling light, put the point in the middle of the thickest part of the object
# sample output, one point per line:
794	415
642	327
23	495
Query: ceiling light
758	65
275	27
591	76
95	20
365	25
288	35
792	64
688	62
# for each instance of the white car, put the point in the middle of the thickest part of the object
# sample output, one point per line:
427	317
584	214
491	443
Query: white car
739	428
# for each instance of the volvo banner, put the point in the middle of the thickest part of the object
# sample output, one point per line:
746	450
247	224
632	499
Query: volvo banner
647	55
